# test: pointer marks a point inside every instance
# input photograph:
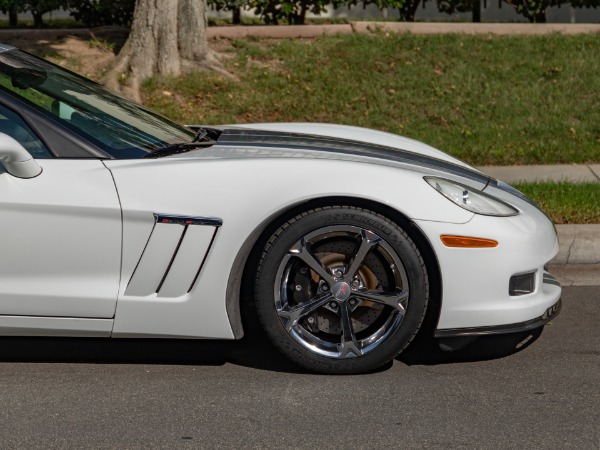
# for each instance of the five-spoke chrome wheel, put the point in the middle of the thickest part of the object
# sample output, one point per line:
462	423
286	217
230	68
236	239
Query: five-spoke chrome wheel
341	289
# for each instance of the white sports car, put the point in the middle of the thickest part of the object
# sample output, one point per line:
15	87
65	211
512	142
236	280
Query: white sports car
117	222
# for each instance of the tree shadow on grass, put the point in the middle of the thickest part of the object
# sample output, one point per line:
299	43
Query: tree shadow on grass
89	52
43	42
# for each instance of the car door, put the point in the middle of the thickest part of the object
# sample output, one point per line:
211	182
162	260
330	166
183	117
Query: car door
60	235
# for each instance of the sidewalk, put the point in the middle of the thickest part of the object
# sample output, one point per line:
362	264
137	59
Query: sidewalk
573	173
366	27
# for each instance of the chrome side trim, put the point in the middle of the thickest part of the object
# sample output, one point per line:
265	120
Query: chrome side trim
187	220
548	315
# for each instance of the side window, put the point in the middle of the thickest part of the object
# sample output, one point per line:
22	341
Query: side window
15	127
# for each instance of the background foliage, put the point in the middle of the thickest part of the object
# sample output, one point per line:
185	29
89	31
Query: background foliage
120	12
94	13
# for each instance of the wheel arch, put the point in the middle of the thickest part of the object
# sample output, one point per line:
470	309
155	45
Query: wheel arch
240	278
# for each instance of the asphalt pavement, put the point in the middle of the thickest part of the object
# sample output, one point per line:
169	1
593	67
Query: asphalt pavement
85	393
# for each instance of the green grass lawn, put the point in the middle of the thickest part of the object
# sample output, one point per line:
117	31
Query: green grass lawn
484	99
564	202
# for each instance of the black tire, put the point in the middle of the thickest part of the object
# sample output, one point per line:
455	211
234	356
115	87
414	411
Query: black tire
327	319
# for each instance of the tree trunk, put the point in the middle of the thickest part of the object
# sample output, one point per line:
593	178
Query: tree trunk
476	11
301	19
236	16
408	11
38	21
13	17
168	37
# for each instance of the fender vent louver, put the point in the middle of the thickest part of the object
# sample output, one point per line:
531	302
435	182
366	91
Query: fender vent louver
174	255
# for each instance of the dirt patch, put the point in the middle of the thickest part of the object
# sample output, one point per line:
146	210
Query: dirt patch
82	56
88	52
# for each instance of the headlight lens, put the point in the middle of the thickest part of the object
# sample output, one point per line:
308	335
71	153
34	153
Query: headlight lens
471	199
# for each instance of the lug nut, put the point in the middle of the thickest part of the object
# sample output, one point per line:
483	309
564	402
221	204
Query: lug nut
352	302
325	288
298	287
338	273
311	320
333	305
355	283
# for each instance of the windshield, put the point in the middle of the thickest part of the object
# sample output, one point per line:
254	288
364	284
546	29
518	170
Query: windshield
118	126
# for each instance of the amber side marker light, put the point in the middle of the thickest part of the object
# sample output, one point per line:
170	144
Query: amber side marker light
467	242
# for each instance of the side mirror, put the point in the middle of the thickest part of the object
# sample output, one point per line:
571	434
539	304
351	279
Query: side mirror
16	160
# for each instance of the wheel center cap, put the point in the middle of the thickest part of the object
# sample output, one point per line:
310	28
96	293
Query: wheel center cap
341	291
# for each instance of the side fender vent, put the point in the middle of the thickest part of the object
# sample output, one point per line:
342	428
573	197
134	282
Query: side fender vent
173	256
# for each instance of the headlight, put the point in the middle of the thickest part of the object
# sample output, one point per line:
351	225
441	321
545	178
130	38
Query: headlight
471	199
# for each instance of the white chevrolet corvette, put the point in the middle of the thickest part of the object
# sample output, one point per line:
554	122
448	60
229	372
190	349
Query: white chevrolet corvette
117	222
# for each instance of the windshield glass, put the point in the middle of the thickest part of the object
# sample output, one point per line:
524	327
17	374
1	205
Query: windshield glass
118	126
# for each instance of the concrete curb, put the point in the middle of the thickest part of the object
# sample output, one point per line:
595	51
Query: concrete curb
579	244
578	260
577	275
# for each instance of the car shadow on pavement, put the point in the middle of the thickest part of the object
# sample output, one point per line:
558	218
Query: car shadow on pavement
247	352
253	351
427	351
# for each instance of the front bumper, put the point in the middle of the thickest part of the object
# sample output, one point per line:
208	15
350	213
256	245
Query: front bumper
476	297
528	325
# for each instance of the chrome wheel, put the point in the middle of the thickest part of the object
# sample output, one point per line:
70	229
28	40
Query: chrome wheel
340	291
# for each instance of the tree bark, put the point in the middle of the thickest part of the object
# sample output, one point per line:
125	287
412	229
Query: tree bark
13	17
476	11
38	21
236	16
168	38
409	10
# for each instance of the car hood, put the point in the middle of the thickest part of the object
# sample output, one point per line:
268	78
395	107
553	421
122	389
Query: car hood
322	141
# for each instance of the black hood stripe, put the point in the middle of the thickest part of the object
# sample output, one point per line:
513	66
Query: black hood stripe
306	142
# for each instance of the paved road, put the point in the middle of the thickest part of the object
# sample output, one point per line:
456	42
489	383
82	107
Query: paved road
132	394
